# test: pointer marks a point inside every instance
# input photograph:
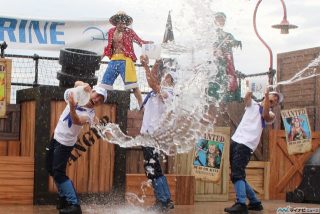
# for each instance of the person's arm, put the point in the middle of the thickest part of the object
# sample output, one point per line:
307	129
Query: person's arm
87	87
248	96
233	42
266	108
76	119
108	49
152	81
248	99
137	39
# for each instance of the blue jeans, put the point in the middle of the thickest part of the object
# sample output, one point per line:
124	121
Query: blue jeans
153	171
57	156
239	158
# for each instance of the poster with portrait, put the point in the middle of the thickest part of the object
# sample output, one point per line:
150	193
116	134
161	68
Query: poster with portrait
208	157
298	132
2	89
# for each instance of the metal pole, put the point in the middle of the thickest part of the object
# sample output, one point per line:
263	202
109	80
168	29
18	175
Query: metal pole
3	46
36	59
260	38
284	10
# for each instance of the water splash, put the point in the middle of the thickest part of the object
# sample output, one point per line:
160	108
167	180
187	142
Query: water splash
134	199
310	71
184	120
180	125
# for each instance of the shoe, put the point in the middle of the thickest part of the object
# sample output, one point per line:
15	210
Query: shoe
256	206
71	209
237	208
170	204
62	203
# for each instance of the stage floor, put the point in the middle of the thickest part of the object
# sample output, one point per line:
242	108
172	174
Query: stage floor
199	207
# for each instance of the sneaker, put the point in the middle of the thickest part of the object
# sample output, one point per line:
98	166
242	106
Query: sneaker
71	209
256	206
237	208
62	203
170	204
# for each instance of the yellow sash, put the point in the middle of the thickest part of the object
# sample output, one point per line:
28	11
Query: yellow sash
130	72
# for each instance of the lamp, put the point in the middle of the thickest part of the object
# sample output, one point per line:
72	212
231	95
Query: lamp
284	26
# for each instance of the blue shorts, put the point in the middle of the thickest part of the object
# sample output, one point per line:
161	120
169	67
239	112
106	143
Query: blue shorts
116	67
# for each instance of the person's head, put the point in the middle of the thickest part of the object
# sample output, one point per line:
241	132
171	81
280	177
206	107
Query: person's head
121	26
296	122
275	98
212	147
121	20
98	96
169	78
219	19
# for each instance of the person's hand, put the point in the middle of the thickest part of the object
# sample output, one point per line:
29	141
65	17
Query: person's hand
217	53
87	87
144	60
239	44
150	42
72	102
266	92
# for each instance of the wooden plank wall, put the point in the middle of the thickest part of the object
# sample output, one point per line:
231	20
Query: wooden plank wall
286	170
23	146
10	124
17	161
93	170
16	180
304	93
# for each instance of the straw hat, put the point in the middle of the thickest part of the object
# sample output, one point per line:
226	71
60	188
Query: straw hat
121	16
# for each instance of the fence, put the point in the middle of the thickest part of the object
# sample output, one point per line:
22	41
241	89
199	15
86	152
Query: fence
32	71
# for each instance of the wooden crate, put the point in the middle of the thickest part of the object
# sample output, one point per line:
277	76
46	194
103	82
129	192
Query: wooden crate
182	189
286	170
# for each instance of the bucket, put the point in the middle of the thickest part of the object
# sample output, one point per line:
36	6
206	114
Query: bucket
80	95
153	51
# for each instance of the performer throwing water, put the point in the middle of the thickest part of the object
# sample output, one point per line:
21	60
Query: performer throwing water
244	142
121	53
65	136
154	108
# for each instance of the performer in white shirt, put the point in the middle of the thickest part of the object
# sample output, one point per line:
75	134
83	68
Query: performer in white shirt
65	136
244	142
154	107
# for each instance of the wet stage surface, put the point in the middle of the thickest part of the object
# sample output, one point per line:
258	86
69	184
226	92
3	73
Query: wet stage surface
199	207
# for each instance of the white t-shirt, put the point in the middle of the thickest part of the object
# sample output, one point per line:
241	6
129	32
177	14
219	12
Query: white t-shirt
68	135
250	128
153	110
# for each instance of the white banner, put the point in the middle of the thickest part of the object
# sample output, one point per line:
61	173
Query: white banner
52	35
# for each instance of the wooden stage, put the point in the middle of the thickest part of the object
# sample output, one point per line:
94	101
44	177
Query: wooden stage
199	207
